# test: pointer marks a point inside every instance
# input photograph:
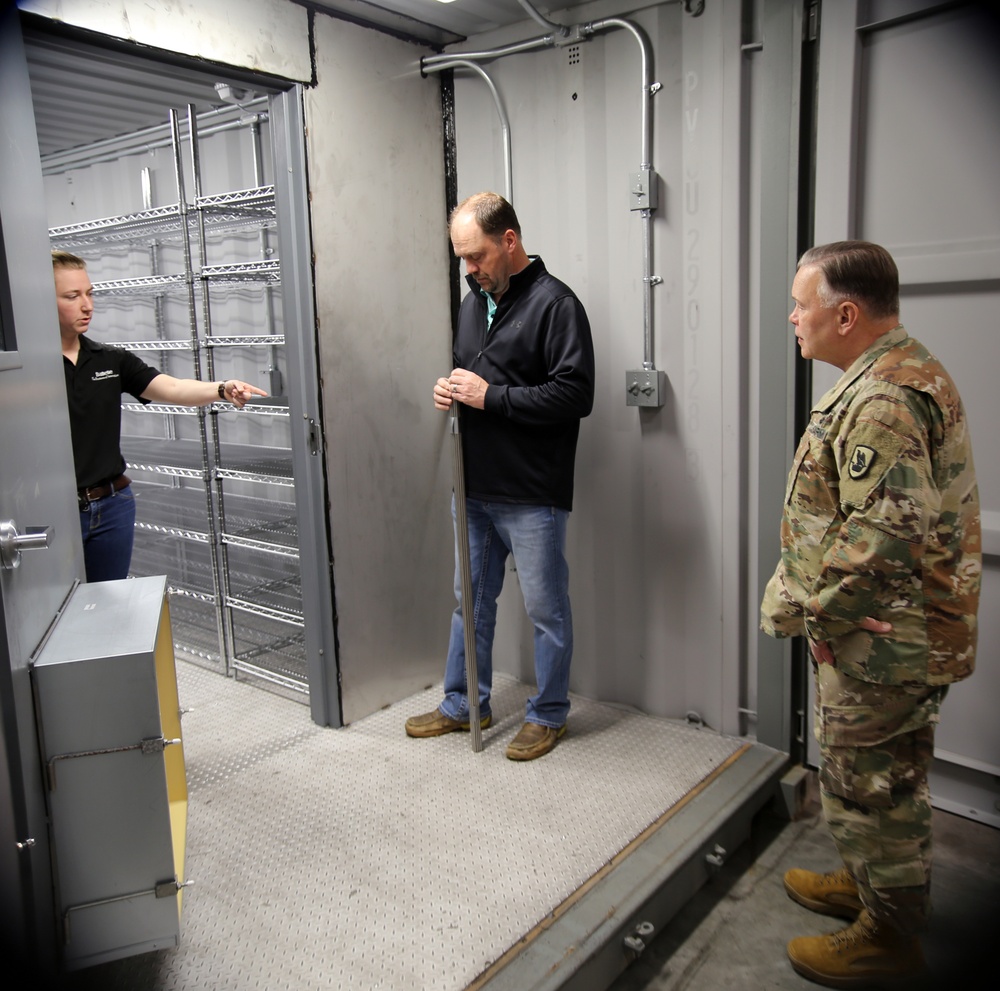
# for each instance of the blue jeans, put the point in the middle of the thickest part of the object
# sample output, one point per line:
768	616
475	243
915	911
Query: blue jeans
108	526
536	536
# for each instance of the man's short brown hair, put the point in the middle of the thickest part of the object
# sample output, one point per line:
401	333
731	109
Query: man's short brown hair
492	212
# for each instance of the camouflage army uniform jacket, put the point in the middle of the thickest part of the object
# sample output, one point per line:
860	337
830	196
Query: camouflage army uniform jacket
881	519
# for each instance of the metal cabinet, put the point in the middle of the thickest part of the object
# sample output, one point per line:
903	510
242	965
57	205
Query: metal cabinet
110	734
194	286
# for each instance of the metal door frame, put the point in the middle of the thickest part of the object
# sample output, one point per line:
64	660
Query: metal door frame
308	453
27	911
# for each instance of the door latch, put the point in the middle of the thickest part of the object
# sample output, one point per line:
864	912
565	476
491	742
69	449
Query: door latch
12	542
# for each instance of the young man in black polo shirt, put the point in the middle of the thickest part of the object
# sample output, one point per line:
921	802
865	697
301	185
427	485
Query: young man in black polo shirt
96	377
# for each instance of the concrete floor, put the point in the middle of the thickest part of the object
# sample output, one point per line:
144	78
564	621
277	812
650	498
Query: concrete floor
732	935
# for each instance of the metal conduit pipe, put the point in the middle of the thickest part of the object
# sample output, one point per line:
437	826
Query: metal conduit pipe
647	177
560	29
643	182
545	41
504	123
648	86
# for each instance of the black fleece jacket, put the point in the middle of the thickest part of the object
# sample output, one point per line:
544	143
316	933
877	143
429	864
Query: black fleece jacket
538	359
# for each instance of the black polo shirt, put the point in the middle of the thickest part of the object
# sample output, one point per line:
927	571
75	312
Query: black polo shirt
94	388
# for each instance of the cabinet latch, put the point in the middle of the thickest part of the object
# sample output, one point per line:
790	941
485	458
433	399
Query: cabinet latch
170	887
149	747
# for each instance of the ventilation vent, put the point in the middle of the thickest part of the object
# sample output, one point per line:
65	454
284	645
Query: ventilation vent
574	54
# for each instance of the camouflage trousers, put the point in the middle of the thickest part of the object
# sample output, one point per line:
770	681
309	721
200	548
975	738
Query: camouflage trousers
876	744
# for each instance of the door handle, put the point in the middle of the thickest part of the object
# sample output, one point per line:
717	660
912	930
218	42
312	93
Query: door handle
12	542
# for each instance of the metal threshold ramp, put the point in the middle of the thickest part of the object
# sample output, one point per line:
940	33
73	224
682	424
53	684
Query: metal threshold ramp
358	858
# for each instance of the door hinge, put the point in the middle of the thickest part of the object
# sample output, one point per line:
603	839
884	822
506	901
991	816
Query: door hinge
811	24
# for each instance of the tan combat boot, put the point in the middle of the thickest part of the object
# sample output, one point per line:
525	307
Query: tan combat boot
865	954
832	894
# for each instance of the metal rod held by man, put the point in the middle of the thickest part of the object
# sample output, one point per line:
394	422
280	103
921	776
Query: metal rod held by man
468	603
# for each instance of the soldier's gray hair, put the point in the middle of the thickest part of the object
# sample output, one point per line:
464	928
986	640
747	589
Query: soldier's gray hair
860	271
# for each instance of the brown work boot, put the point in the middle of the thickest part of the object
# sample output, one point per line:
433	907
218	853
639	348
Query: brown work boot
534	740
865	954
832	894
436	723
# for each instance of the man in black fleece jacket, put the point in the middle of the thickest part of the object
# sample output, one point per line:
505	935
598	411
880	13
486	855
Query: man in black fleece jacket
524	372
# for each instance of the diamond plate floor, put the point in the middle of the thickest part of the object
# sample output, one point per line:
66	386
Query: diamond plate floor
361	859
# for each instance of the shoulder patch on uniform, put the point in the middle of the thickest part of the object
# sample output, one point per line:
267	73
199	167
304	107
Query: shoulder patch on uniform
861	461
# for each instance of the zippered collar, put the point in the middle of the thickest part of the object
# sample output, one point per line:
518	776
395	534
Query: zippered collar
519	281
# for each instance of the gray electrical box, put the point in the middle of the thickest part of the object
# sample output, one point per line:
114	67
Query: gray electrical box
643	190
645	388
109	728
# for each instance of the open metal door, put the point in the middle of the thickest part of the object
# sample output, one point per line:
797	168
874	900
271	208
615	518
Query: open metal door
36	491
909	97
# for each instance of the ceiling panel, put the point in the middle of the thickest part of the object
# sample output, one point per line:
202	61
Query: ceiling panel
443	23
85	93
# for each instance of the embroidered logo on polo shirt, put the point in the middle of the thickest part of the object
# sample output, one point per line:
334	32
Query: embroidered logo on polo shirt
107	373
861	461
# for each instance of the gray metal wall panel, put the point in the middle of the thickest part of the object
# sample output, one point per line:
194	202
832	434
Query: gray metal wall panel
305	406
907	138
948	252
774	112
36	489
378	214
655	539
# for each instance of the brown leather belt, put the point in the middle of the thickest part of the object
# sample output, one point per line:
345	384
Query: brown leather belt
95	492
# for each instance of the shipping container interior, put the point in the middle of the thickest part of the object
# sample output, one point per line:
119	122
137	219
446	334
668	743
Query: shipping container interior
264	195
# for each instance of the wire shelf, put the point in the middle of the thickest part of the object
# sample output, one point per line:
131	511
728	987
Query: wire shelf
140	227
228	341
262	524
246	340
166	455
169	509
257	203
244	209
255	476
265	521
185	459
256	408
170	471
186	563
275	650
268	271
195	630
267	586
187	345
256	609
143	285
217	516
255	463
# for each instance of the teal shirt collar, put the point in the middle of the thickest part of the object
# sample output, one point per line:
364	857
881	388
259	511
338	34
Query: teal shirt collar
491	308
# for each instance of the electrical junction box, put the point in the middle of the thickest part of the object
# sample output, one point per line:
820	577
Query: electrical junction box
642	190
645	388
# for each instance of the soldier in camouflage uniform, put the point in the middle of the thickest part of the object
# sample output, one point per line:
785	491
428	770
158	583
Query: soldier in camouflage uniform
880	568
